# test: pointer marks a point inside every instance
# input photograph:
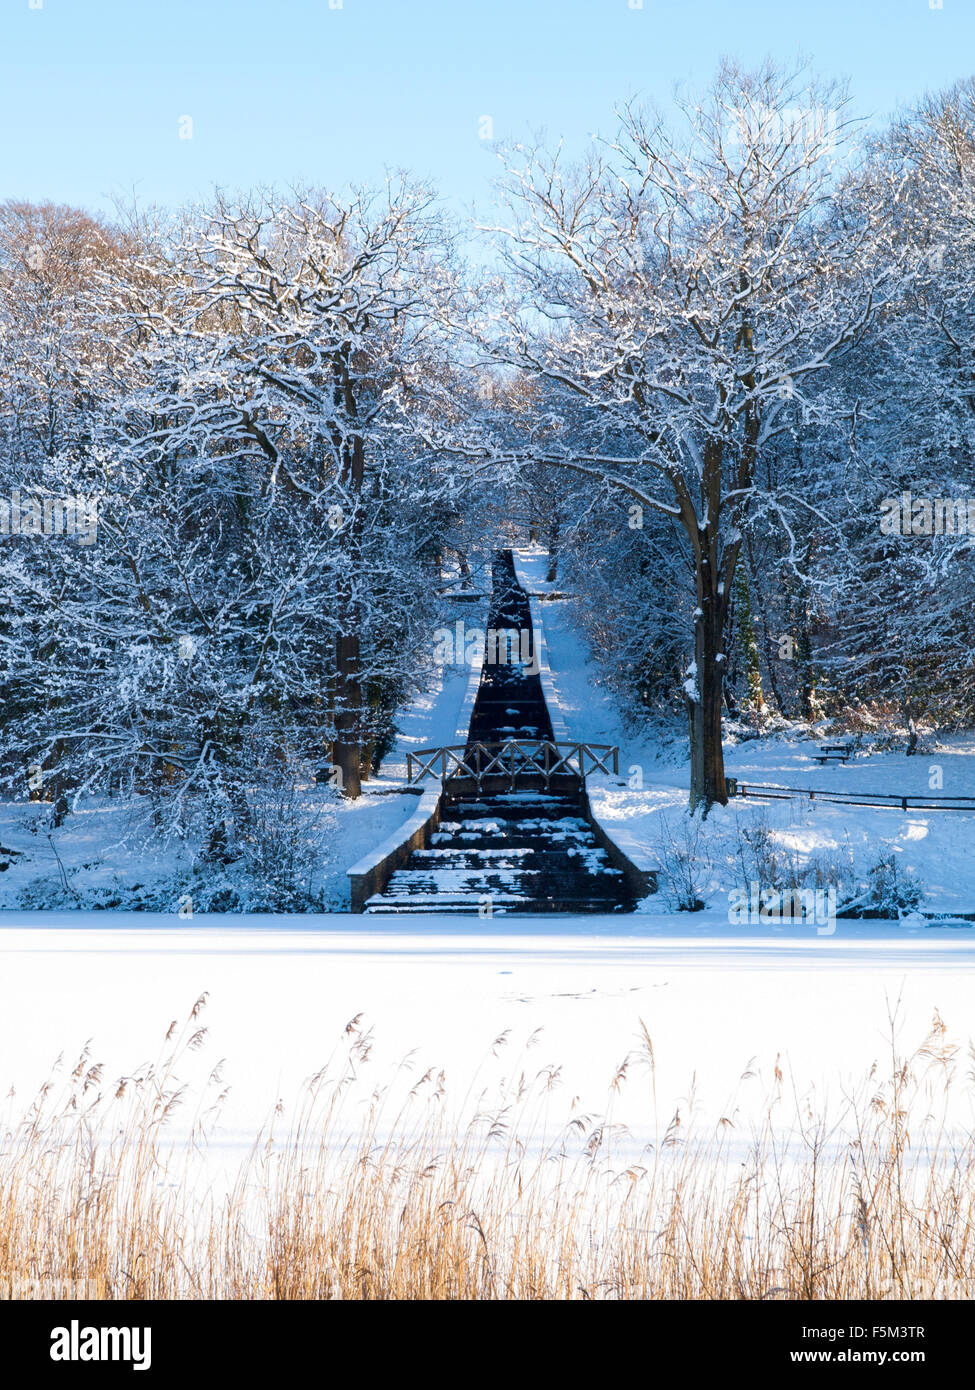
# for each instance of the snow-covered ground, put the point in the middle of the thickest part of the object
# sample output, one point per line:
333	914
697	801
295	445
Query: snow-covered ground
103	856
936	847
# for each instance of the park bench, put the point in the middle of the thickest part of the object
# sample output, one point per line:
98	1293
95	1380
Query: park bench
833	753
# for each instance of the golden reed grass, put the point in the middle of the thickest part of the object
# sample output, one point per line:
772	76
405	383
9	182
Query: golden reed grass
98	1201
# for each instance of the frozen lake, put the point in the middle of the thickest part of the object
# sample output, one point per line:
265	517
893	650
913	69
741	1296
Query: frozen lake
569	994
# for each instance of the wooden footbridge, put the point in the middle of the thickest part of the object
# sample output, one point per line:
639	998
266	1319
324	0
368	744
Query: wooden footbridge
513	760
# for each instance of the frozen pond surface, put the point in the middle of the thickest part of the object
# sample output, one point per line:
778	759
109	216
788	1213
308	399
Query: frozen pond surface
570	994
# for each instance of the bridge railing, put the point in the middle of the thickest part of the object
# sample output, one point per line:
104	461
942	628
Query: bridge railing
512	759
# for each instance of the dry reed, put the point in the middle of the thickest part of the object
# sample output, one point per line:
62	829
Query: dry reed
97	1200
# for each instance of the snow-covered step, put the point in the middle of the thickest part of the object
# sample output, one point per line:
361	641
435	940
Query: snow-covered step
514	835
465	905
461	856
575	889
518	850
557	808
426	878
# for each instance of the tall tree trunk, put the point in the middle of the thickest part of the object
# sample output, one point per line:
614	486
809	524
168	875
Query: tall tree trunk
714	574
704	692
346	750
553	552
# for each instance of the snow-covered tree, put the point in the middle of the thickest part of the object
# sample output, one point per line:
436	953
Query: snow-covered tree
264	576
679	293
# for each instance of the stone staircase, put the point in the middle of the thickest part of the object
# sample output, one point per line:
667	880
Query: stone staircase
498	849
507	852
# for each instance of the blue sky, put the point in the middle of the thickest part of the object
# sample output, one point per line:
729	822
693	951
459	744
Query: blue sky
92	91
